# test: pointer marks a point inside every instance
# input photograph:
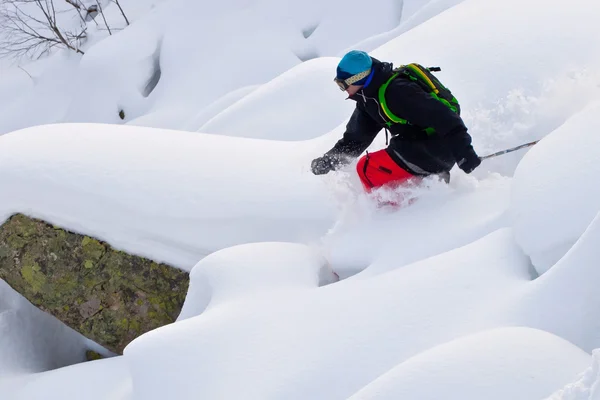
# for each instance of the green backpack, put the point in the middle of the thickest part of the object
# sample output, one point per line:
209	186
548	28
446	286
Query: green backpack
428	82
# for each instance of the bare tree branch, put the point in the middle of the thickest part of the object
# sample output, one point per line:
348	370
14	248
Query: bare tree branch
103	17
78	6
122	12
24	70
30	28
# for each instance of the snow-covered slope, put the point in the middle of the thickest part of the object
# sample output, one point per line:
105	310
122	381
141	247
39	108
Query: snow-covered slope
557	178
586	387
313	106
496	365
176	196
33	341
440	298
518	77
199	51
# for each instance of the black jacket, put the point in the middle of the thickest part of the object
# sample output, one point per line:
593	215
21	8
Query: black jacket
410	147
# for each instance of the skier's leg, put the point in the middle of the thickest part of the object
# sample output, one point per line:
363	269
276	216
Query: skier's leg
378	169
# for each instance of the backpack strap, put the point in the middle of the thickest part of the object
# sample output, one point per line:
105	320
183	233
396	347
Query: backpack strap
415	73
386	110
424	78
433	85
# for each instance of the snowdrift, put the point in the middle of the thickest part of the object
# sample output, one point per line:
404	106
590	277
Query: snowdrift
554	198
572	280
509	363
98	380
292	341
585	387
193	53
33	341
248	270
307	91
169	195
515	74
438	297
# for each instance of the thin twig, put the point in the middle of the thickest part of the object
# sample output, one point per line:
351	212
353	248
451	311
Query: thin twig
122	12
25	35
101	10
23	69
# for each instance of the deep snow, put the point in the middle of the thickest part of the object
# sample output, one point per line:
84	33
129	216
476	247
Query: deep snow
204	51
544	183
483	288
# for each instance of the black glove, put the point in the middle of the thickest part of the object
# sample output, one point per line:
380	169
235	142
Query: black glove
324	164
464	154
469	162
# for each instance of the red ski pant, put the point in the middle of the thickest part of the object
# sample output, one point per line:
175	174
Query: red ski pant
378	169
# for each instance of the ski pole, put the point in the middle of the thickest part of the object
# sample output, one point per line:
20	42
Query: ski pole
509	150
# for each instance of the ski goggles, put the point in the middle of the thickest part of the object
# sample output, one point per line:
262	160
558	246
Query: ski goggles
344	84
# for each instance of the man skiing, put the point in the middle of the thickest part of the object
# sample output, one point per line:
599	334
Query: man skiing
428	134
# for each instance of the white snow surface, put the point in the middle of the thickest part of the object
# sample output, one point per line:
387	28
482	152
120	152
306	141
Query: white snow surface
31	340
301	288
544	185
496	365
305	90
586	387
175	196
203	50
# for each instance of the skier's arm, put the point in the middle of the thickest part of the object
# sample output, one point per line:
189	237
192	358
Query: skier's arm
360	133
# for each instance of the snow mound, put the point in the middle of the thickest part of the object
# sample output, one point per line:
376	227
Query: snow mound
107	379
169	195
216	108
414	13
506	363
33	341
252	269
182	55
303	341
587	387
565	300
102	91
302	103
554	198
506	101
510	35
259	321
364	236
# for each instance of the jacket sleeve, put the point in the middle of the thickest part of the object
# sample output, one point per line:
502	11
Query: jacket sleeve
409	101
360	133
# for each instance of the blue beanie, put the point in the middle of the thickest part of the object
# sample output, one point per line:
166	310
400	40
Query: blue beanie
354	62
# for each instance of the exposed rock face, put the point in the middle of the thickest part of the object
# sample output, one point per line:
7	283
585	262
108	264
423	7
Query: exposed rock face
107	295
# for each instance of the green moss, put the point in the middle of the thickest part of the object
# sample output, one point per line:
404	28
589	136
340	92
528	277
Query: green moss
67	283
34	277
27	226
91	355
92	249
5	251
16	242
107	295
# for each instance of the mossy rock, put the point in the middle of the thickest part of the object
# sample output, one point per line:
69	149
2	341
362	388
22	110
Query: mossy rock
107	295
91	355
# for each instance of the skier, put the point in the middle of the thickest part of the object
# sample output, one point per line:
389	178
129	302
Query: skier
428	134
